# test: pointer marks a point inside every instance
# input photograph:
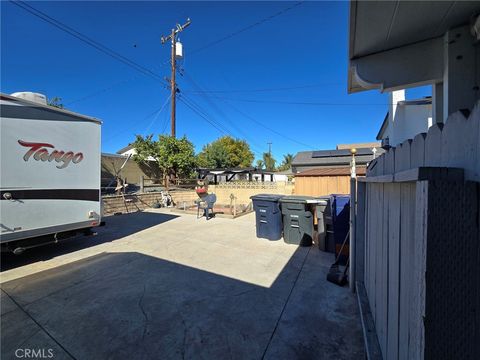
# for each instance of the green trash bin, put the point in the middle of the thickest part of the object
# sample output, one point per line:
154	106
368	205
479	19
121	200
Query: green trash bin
297	214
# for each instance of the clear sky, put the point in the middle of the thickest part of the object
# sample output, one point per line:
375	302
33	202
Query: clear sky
286	58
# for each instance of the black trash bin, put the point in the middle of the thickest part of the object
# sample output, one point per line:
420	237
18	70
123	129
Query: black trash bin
322	211
268	216
297	214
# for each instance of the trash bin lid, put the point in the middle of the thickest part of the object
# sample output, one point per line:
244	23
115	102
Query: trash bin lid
298	199
267	197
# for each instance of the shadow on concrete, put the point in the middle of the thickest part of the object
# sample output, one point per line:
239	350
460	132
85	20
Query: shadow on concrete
114	229
130	305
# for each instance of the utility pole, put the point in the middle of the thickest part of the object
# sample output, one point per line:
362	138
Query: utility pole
269	148
173	38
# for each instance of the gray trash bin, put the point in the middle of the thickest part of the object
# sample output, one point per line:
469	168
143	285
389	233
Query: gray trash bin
268	216
322	210
297	214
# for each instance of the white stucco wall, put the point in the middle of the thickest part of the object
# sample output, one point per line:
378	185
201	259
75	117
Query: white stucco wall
406	120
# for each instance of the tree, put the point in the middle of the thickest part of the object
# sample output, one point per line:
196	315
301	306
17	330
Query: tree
173	157
226	152
260	164
286	163
56	102
269	161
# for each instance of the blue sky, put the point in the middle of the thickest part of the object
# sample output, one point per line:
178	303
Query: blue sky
251	78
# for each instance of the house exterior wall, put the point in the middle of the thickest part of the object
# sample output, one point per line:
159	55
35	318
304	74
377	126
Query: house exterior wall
408	121
111	164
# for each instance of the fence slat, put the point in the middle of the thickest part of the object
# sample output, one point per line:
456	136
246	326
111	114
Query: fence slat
389	166
393	270
378	253
433	145
417	156
380	165
417	308
372	168
403	156
455	141
373	211
382	270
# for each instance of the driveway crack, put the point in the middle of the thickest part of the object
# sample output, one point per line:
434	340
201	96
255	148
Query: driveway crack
140	305
285	305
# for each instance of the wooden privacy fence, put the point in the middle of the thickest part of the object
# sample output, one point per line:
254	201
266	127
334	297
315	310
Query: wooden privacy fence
417	245
322	185
325	181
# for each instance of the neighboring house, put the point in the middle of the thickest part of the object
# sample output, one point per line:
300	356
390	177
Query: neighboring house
286	175
405	119
130	150
127	150
307	160
218	175
111	167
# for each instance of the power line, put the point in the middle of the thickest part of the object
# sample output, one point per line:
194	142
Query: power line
248	27
253	144
216	109
202	116
156	115
224	38
110	138
268	128
194	92
87	40
165	122
297	102
249	117
98	92
195	108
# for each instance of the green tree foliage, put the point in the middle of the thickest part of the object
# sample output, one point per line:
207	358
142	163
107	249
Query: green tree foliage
173	157
286	163
55	102
259	164
269	161
226	152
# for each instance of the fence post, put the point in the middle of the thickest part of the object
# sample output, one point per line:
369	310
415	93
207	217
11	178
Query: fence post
360	232
142	183
353	201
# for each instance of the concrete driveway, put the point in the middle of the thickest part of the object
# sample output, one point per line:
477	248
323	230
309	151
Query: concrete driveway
154	285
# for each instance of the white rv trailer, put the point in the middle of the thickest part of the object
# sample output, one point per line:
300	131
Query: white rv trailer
50	173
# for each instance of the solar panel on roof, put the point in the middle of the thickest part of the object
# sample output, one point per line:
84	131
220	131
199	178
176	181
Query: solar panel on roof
338	153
